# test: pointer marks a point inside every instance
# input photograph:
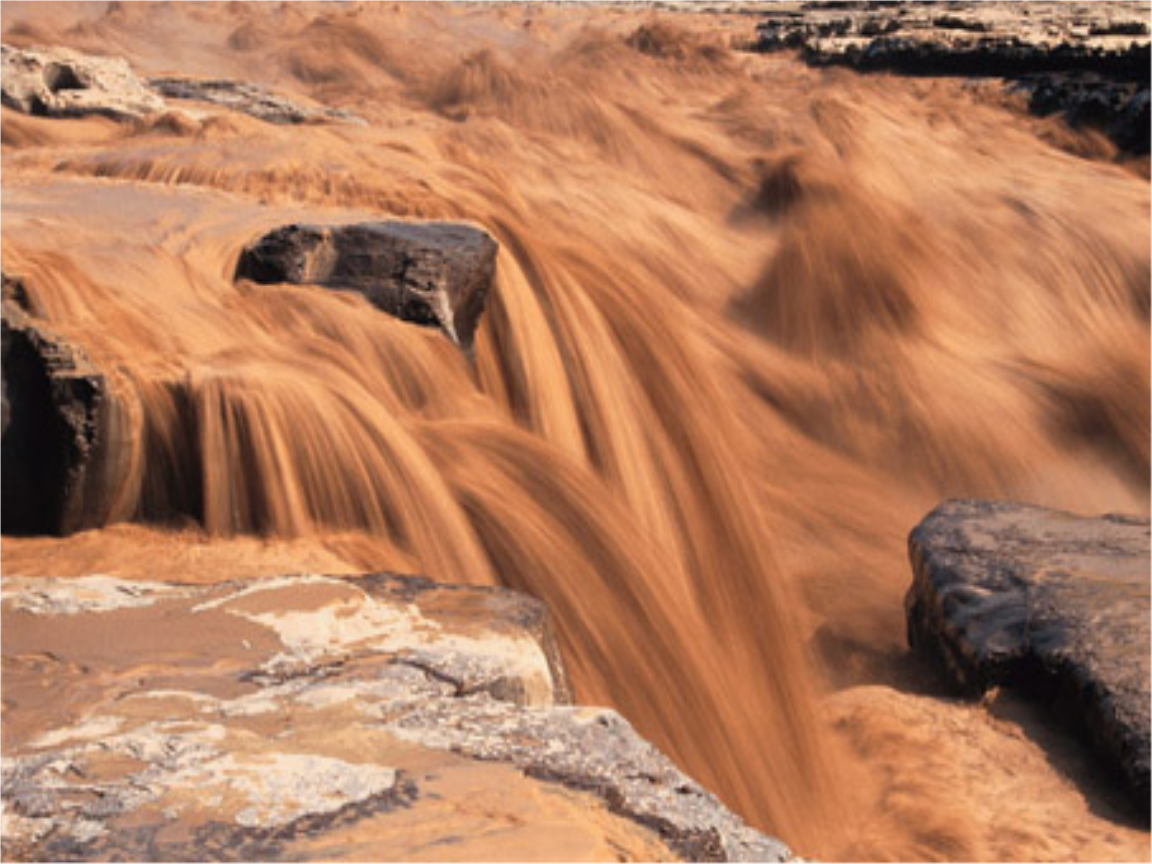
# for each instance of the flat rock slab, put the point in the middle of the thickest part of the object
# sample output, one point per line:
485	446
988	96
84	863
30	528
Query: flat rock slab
309	717
247	98
59	82
432	273
1056	604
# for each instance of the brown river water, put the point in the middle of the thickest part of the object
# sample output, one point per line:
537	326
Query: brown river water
751	321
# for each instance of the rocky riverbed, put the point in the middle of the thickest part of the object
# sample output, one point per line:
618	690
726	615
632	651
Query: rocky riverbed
1088	62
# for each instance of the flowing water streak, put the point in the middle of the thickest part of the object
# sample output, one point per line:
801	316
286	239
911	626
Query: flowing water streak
730	306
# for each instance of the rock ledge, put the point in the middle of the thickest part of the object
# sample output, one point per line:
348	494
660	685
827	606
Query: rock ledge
315	717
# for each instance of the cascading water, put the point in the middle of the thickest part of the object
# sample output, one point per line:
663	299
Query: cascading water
750	321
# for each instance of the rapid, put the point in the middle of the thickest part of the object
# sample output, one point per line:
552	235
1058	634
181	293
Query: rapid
750	322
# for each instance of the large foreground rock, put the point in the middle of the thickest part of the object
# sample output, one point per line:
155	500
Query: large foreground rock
56	416
1053	603
433	273
309	717
59	82
1088	61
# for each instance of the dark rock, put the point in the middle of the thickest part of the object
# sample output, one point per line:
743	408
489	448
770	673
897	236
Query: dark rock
1055	604
15	299
1000	56
434	273
248	98
1119	28
1117	108
1133	129
874	27
952	22
56	420
58	82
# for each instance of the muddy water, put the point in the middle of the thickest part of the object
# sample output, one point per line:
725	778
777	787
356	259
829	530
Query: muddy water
751	321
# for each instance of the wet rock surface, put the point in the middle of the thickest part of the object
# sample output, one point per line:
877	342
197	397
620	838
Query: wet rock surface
435	274
247	98
1088	61
59	82
1054	604
341	718
56	415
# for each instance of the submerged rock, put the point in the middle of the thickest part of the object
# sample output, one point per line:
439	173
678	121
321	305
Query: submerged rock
434	273
58	82
56	419
1055	604
247	98
311	717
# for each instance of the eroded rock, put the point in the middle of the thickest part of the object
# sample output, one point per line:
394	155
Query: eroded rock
59	82
433	273
339	718
57	412
1055	604
247	98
